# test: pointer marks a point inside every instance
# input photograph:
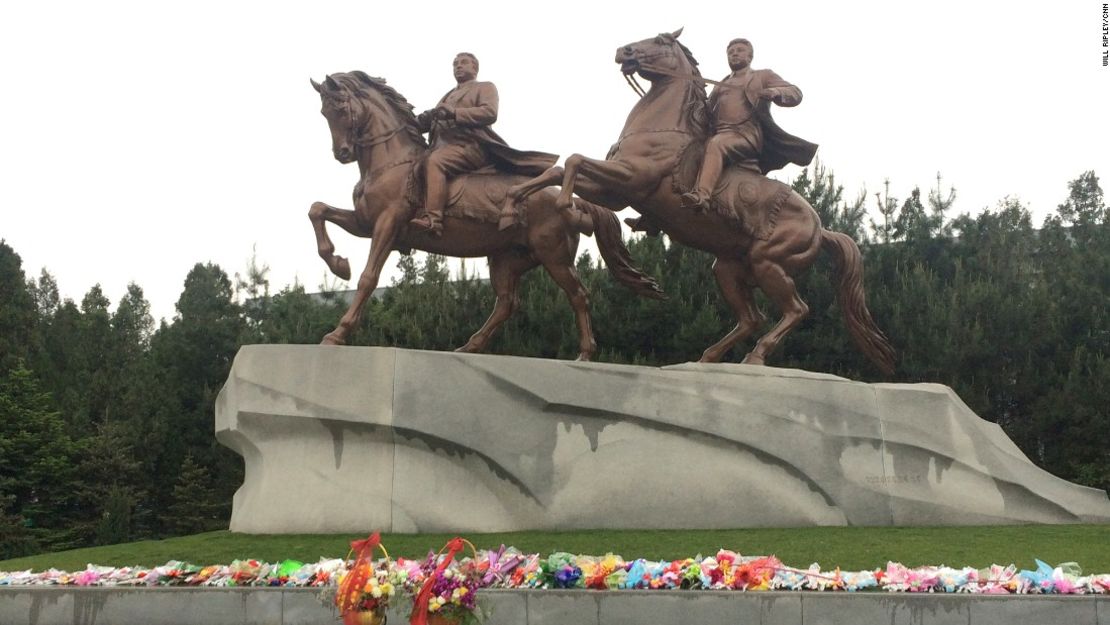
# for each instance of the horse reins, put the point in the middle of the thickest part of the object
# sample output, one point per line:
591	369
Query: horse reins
632	82
667	72
382	138
631	78
364	142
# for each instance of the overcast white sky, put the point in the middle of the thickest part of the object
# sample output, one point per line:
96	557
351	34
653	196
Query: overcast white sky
137	139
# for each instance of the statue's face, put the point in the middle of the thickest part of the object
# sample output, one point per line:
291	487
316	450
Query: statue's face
465	68
739	56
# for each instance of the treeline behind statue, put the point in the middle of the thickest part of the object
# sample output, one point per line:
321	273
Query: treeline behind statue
106	420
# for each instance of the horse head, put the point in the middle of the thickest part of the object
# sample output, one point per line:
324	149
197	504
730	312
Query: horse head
337	106
662	52
362	112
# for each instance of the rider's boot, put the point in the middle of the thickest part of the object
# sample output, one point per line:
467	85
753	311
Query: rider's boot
697	200
435	200
429	222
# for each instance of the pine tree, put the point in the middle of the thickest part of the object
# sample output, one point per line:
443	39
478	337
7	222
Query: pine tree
939	204
36	462
114	526
252	293
190	361
1085	201
887	207
194	507
15	538
17	310
111	485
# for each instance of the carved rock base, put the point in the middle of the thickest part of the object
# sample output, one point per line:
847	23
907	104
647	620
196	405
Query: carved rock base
349	439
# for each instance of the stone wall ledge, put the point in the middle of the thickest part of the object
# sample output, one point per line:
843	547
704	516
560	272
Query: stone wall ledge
301	606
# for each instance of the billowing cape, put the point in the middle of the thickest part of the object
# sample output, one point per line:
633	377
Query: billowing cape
475	104
779	146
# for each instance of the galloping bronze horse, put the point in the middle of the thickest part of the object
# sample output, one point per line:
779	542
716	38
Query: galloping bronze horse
647	170
373	125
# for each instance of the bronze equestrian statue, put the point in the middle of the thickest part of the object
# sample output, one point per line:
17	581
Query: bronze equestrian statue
744	135
462	141
373	125
762	232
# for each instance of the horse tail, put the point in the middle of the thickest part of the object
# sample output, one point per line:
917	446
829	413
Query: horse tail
849	293
607	231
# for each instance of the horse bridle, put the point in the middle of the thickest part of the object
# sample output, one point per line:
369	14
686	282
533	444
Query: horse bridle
354	136
631	78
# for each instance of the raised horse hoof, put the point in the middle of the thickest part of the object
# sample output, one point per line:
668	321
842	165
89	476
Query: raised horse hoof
332	339
709	358
642	224
564	203
342	268
468	349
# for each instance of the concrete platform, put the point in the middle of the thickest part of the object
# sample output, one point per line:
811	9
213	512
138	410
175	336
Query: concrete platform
351	439
277	606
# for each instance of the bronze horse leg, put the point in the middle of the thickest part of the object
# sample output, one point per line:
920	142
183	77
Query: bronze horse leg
564	274
505	269
601	179
773	280
346	219
734	279
554	246
385	233
517	193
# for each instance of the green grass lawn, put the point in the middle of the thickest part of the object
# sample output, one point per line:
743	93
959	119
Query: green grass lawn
851	548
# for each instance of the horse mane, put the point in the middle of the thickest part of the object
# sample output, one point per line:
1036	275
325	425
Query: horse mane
696	106
359	82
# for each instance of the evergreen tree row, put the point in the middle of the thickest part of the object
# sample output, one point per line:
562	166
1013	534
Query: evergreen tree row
106	420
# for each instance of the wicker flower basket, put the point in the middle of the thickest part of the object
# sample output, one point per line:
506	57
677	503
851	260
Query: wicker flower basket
371	617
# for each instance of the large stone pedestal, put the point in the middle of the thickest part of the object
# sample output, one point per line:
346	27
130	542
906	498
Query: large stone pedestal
348	439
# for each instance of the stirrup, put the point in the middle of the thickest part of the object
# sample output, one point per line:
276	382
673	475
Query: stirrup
696	201
427	223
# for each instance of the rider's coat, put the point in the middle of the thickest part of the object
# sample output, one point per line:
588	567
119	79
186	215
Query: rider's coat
475	105
736	108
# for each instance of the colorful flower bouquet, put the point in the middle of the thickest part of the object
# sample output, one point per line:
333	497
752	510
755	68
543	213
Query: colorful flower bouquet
447	595
453	596
366	588
371	600
509	568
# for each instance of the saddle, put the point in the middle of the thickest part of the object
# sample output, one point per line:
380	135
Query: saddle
743	195
477	196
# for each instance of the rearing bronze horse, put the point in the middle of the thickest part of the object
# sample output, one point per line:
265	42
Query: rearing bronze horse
373	125
644	170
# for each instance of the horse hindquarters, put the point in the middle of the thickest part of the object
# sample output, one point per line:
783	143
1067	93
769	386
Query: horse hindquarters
554	242
772	264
